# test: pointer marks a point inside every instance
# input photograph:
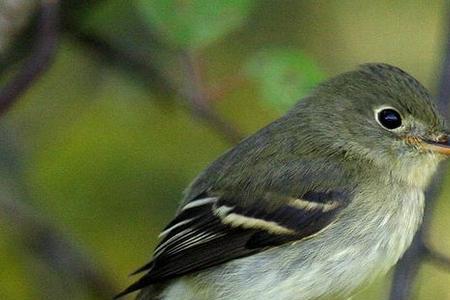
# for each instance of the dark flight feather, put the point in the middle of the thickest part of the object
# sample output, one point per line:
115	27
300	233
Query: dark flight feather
216	231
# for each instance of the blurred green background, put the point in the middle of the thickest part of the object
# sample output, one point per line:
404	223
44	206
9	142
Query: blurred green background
101	149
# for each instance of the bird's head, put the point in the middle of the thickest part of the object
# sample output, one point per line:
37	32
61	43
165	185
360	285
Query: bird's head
380	114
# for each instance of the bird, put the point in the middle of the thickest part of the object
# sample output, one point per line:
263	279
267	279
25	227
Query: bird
315	205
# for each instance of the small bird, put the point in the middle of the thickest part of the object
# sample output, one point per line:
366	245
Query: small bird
314	205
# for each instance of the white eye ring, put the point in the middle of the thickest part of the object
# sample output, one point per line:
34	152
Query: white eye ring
388	117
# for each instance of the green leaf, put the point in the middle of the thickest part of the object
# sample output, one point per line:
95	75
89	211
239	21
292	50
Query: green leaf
284	75
194	23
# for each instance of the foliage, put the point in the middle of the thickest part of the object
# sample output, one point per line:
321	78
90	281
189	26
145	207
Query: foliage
102	156
284	75
194	24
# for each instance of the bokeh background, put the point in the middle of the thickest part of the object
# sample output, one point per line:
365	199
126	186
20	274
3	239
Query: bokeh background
143	94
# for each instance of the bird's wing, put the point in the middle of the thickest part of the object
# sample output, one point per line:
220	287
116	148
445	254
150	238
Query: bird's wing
211	230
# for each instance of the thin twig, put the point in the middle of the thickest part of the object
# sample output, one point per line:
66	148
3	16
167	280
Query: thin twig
438	259
131	61
49	244
218	91
43	240
408	267
40	58
194	97
198	102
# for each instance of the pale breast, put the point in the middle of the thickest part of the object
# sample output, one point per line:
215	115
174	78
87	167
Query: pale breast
371	248
400	229
366	241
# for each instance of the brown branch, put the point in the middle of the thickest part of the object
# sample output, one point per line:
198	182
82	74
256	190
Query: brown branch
438	259
218	91
43	240
408	267
40	58
193	97
50	245
128	60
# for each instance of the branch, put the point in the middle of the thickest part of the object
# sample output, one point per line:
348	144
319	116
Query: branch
40	58
128	60
140	64
42	239
49	244
438	259
16	20
408	267
195	96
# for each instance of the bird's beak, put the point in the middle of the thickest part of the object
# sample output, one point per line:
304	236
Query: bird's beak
440	145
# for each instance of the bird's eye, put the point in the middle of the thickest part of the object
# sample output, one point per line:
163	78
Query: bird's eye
389	118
